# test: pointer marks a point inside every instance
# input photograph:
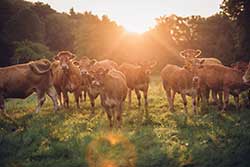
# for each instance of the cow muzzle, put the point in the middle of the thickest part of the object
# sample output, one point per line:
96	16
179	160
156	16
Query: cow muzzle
84	72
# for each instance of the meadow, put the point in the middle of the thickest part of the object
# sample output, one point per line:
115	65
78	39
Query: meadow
157	138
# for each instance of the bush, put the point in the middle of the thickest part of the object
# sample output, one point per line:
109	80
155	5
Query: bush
26	51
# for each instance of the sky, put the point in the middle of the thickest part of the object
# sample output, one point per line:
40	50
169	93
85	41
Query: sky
137	15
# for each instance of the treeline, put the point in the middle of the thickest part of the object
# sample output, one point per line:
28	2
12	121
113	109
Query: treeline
34	30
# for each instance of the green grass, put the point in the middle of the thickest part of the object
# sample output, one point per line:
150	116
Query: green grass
72	138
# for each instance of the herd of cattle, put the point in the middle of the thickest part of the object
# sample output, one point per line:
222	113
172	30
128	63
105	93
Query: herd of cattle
112	82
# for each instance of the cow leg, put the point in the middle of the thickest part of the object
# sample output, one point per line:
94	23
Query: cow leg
137	92
214	95
59	96
220	93
109	115
226	99
184	102
77	95
2	106
145	94
119	115
66	99
194	104
237	102
92	102
41	99
51	92
84	95
170	102
129	97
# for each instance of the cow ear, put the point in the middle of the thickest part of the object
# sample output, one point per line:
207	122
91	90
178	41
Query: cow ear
76	63
198	53
202	61
92	62
153	64
182	54
57	57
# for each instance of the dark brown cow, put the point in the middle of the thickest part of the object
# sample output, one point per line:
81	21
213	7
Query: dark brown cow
113	91
137	77
66	77
177	79
20	81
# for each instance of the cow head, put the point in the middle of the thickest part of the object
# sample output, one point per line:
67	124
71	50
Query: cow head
246	76
64	57
98	77
145	70
190	53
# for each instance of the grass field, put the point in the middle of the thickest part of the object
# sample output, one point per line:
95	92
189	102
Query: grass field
72	138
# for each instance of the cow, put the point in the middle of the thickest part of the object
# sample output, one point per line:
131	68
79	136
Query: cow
113	91
66	77
222	79
20	81
137	77
189	56
240	65
88	68
84	64
179	80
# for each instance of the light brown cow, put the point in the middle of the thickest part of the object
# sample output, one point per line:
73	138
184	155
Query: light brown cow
66	77
113	91
221	78
190	56
88	68
20	81
137	77
177	79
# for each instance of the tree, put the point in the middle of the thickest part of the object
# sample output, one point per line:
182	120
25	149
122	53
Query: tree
26	51
24	25
239	11
59	34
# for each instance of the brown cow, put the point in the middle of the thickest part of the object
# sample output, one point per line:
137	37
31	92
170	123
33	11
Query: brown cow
180	80
137	77
20	81
66	77
113	91
190	56
88	68
240	65
221	78
84	65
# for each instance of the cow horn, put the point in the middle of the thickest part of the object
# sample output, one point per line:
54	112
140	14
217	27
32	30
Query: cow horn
40	66
198	53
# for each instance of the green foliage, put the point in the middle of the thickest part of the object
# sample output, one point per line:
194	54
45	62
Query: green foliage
59	32
26	51
24	25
